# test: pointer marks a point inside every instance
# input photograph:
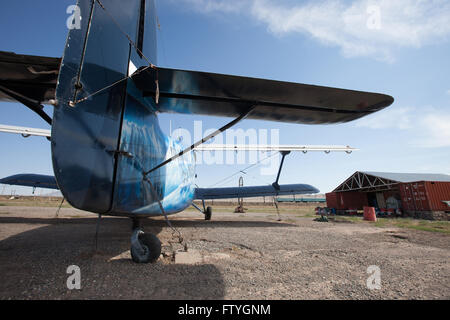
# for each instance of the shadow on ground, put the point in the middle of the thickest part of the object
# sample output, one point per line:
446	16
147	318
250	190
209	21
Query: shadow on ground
33	263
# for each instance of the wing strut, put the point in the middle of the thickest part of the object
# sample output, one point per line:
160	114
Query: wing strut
275	184
198	143
33	105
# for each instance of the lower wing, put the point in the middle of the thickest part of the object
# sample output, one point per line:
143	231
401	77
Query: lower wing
252	192
25	132
31	180
49	182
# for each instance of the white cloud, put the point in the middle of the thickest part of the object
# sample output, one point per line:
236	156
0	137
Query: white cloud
359	28
436	131
399	118
428	127
207	6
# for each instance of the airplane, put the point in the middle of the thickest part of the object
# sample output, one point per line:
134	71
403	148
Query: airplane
109	154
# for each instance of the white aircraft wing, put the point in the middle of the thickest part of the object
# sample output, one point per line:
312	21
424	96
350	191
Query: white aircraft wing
271	148
26	132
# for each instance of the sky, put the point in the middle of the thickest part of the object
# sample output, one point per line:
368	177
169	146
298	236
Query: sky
400	48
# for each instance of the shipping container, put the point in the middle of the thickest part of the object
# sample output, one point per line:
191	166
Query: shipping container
437	192
425	196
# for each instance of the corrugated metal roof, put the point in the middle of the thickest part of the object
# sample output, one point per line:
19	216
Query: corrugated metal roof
410	177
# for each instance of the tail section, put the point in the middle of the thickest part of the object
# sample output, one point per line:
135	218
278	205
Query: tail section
114	38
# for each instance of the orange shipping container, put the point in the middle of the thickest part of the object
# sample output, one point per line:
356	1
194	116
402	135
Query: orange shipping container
425	196
437	192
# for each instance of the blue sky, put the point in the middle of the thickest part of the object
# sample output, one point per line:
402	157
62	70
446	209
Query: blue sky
401	49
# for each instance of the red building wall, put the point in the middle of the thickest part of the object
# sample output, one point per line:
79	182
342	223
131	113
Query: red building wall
347	200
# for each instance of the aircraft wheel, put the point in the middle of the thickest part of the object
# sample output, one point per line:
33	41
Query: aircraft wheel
208	214
145	248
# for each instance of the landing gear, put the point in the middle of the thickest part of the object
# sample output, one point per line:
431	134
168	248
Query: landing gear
145	248
208	214
206	211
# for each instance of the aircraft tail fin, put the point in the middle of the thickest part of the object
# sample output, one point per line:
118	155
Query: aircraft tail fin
110	39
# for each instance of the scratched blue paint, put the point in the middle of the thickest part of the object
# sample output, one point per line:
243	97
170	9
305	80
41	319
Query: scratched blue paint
143	138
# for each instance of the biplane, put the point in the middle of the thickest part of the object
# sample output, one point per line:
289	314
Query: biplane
109	154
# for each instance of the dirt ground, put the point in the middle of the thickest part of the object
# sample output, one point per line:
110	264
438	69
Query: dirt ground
238	256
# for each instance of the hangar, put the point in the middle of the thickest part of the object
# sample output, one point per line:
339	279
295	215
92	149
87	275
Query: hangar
414	194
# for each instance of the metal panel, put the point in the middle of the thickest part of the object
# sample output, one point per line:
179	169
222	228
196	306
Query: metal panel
347	200
407	197
85	135
353	200
414	197
410	177
332	200
437	192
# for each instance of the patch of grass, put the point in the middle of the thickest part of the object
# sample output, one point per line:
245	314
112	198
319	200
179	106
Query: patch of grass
415	224
27	203
306	211
348	219
403	223
307	215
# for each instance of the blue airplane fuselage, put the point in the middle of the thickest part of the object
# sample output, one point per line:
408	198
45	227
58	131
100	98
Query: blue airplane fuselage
148	146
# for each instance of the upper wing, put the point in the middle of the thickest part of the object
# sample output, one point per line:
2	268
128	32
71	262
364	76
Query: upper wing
31	77
31	180
251	192
231	96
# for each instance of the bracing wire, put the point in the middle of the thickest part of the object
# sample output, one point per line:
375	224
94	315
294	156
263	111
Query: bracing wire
251	167
124	33
72	104
150	65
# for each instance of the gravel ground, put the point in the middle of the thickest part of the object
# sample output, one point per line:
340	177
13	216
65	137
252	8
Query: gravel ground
239	256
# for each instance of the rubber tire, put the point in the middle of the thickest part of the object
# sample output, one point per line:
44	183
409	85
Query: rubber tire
152	244
208	214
